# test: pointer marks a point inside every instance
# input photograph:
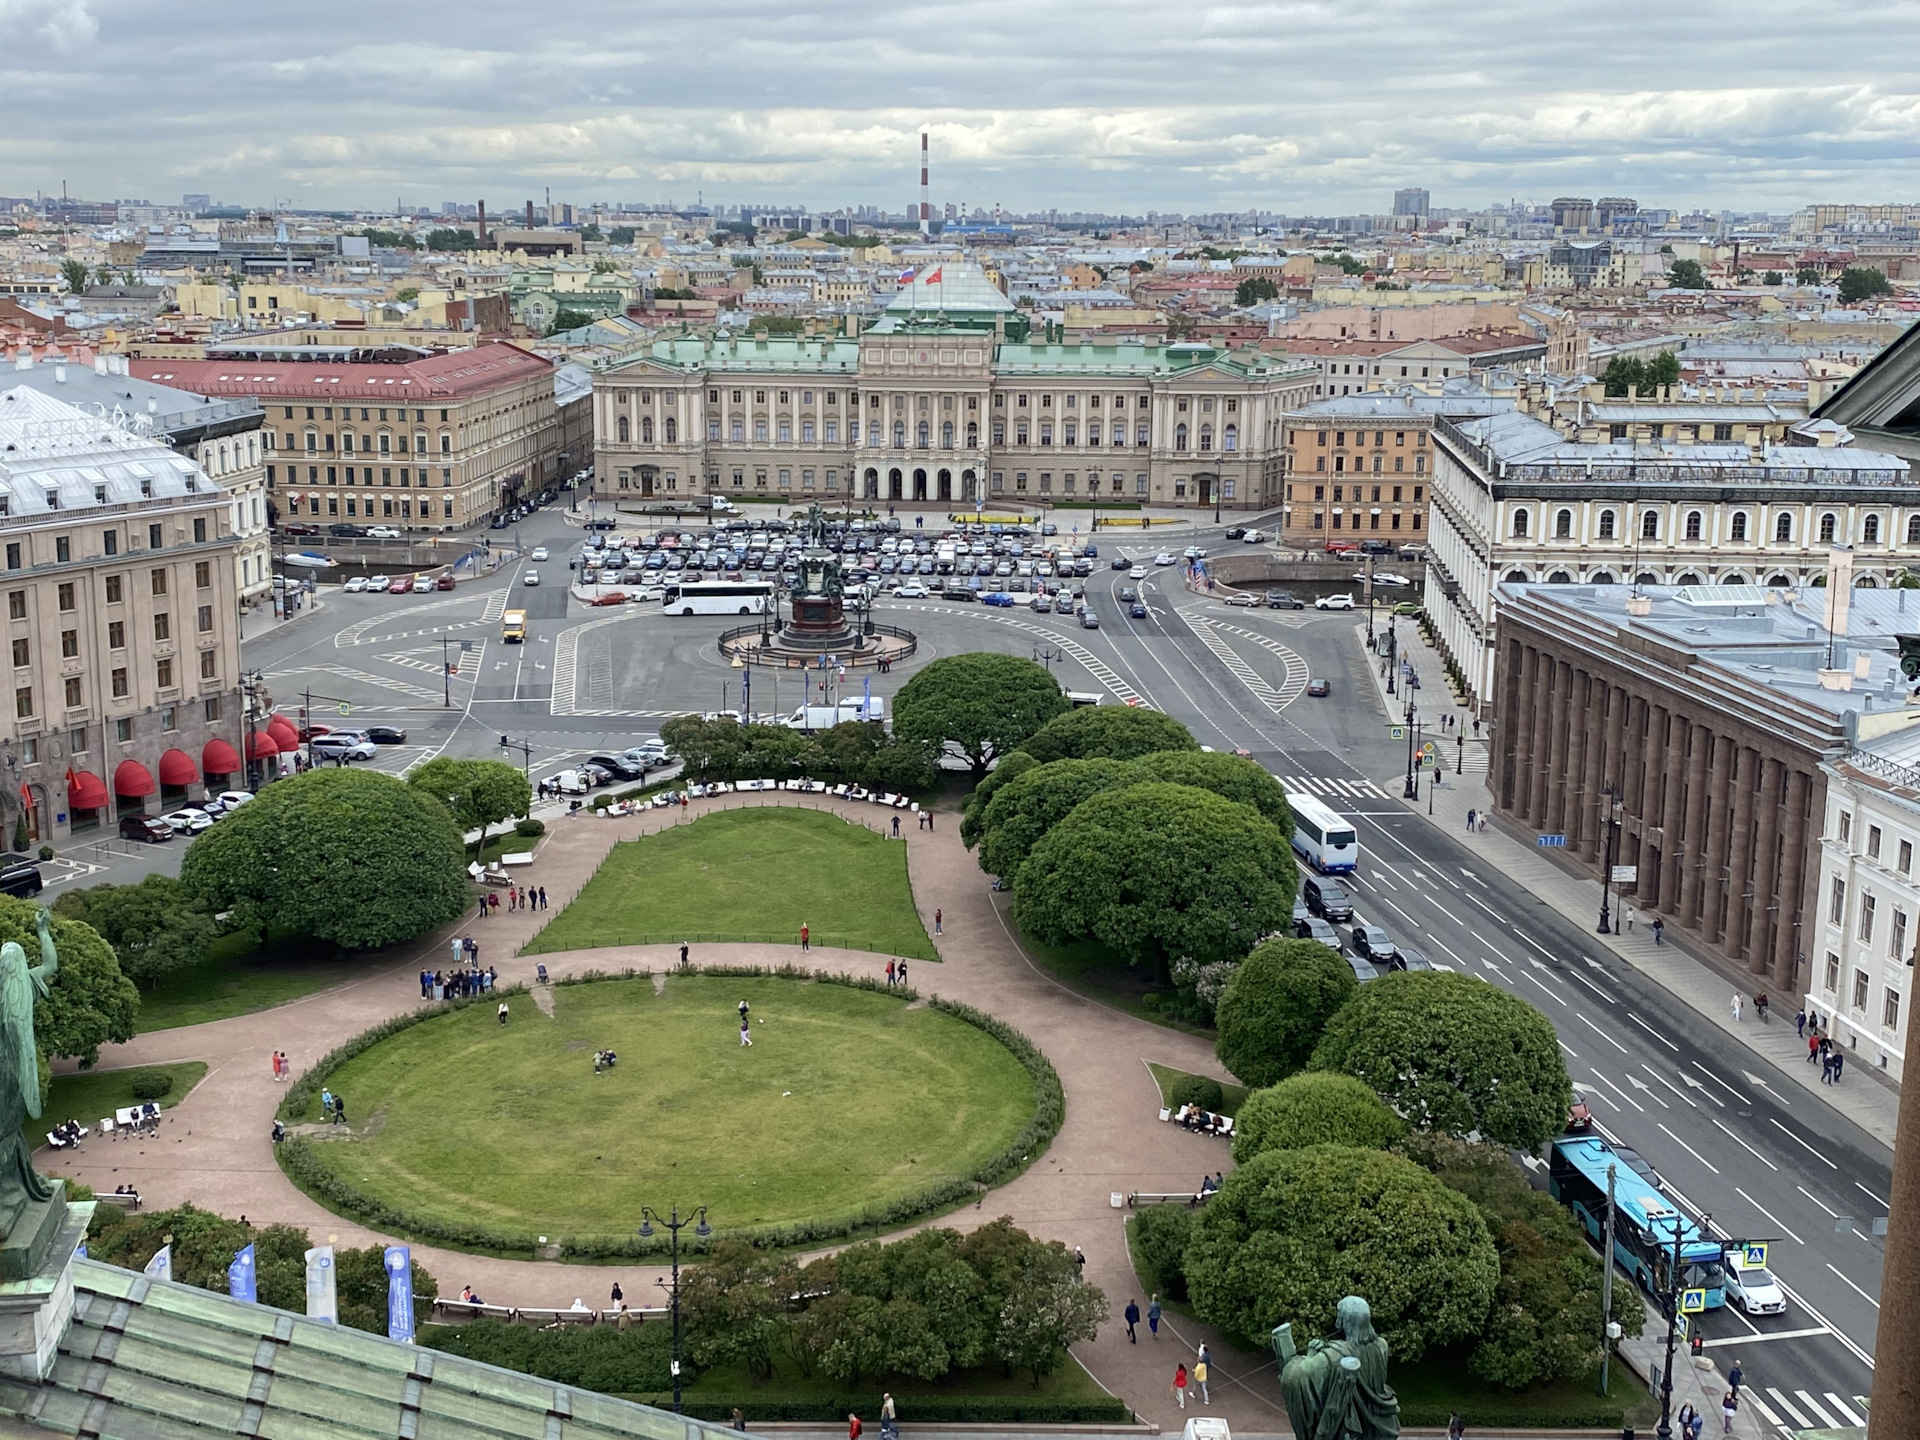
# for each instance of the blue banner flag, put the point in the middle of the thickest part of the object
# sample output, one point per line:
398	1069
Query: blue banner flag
399	1293
240	1276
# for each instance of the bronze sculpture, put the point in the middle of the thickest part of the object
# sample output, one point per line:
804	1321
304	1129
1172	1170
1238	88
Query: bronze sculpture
1338	1389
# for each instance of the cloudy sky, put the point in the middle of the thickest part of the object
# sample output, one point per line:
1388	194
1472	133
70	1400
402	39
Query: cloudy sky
1130	106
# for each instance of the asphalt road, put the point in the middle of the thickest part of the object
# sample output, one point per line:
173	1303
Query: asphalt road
1760	1162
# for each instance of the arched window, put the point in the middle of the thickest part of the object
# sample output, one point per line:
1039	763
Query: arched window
1737	527
1870	530
1733	579
1519	524
1517	577
1693	524
1781	580
1829	523
1180	437
1688	579
646	429
1560	577
1563	524
622	429
1606	526
973	436
946	434
1206	437
920	434
899	434
873	484
1650	525
1646	577
1230	438
672	429
1783	529
1601	577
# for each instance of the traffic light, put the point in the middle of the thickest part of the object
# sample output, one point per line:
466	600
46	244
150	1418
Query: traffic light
503	742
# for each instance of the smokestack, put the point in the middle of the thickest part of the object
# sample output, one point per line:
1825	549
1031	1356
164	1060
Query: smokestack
529	215
926	210
483	224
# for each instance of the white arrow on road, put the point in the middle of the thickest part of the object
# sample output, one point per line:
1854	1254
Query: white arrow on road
1473	877
1753	1079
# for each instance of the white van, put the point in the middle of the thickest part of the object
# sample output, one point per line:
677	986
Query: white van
569	782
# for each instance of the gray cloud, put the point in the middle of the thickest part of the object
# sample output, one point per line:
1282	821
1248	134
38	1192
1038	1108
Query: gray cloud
1144	105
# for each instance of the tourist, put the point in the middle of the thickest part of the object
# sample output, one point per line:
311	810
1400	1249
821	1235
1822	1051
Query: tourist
1738	999
896	827
1627	910
853	1427
326	1100
1132	1313
803	937
1839	1062
617	1296
1729	1408
1457	1428
543	897
746	1038
1153	1316
339	1110
888	1428
493	977
503	1012
739	1420
483	907
936	922
889	974
1472	815
1800	1022
1659	932
1180	1384
1200	1379
683	954
903	974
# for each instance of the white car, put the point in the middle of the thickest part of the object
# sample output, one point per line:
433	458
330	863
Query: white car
913	590
379	582
1138	572
532	577
342	747
1753	1288
1334	602
189	821
383	532
356	585
1163	558
423	584
1255	537
539	552
230	800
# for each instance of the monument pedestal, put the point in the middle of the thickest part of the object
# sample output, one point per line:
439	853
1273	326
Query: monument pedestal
36	1305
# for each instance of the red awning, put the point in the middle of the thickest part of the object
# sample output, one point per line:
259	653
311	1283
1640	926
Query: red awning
85	791
218	758
283	733
133	780
262	746
176	768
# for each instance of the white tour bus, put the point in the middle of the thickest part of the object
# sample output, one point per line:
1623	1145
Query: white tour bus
1325	840
719	597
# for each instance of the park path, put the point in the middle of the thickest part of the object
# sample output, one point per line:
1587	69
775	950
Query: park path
214	1147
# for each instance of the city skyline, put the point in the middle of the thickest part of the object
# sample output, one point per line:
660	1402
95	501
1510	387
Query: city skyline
1290	108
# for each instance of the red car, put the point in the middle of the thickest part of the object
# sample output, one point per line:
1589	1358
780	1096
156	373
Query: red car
1341	547
612	597
1579	1115
445	582
402	585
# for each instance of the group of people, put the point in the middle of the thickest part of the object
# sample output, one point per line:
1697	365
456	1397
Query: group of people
461	984
66	1135
332	1107
896	973
603	1060
1197	1378
1820	1046
282	1069
1209	1185
1204	1122
529	897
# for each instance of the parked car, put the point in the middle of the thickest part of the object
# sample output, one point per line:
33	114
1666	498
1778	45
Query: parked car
342	747
1363	970
190	820
20	875
617	766
299	529
1284	600
356	586
1312	927
228	801
959	592
1370	942
912	590
383	532
1405	959
386	735
1242	600
347	532
1319	689
422	585
1334	602
145	828
379	582
445	582
1579	1115
1327	898
611	597
1407	607
997	597
600	524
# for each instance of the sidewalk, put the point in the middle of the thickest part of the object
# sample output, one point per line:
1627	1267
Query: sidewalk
261	621
1777	1053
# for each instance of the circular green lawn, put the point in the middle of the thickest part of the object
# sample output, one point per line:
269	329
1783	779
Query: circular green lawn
847	1098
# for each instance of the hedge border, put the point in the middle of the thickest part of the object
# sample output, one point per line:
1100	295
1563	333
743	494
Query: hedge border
915	1409
299	1160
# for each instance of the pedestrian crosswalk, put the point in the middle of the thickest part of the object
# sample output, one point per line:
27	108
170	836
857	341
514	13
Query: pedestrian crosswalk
1357	789
1804	1411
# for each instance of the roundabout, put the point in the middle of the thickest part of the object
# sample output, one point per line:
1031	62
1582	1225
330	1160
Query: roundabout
852	1107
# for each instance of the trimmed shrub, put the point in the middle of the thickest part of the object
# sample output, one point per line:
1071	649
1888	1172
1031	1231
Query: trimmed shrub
599	1357
760	1407
1160	1236
530	827
1314	1109
1276	1007
1196	1090
150	1084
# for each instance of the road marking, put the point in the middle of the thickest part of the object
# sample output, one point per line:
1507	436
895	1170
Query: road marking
1871	1195
1821	1417
1853	1416
1449	949
1545	988
1691	1151
1769	1214
1491	911
1759	1336
1718	1081
1792	1410
1473	877
1668	1083
1601	1033
1641	1085
1858	1352
1618	1091
1803	1145
1568	1048
1362	789
1744	1146
1590	985
1656	1035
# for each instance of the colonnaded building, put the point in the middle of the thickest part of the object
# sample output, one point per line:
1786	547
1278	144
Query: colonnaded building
947	399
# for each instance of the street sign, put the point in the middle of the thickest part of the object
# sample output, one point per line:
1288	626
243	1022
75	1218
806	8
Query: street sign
1754	1253
1626	874
1551	842
344	708
1396	732
1693	1302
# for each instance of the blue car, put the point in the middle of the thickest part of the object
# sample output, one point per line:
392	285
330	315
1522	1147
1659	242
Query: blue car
1092	552
997	597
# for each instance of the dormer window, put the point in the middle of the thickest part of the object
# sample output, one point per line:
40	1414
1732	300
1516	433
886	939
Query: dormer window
53	499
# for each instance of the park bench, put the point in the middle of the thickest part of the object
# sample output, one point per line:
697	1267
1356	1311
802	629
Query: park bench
123	1200
1150	1197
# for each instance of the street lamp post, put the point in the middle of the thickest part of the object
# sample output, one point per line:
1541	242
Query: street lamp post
674	1225
1670	1298
1411	792
1606	875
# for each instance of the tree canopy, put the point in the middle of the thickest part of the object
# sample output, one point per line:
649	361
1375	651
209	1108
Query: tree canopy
89	1004
1687	275
1158	872
1276	1007
1860	282
351	856
1109	732
1455	1054
1630	375
981	703
1232	777
1293	1231
154	927
857	752
1037	800
1313	1108
479	794
973	819
1254	289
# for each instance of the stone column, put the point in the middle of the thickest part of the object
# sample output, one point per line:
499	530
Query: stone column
1794	865
1673	790
1599	715
1553	790
1523	724
1714	883
1766	865
1694	854
1740	859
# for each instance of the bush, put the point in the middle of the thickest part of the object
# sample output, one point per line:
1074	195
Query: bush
1314	1109
530	827
1276	1007
1160	1236
150	1084
601	1357
46	852
1196	1090
994	1410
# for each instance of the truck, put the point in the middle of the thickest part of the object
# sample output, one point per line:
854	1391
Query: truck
513	627
825	717
1080	699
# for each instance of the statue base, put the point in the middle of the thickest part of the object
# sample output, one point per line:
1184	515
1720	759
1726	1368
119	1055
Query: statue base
36	1308
30	1231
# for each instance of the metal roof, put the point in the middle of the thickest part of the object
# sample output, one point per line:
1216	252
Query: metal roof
959	286
57	457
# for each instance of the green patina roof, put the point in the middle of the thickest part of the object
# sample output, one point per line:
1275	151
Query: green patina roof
162	1361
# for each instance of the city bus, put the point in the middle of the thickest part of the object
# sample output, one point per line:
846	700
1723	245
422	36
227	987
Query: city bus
719	597
1325	840
1645	1219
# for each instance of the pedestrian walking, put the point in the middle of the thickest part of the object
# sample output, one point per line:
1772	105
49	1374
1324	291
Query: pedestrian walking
929	820
1472	815
896	827
1729	1408
1826	1068
1659	933
339	1110
1627	910
803	937
1180	1384
1839	1063
1153	1316
1200	1379
1737	999
326	1100
888	1427
1079	1263
683	954
746	1036
618	1296
1813	1046
1735	1376
503	1012
1483	822
1760	1006
739	1421
889	974
1685	1420
936	922
853	1427
483	907
1800	1022
903	974
1456	1427
1132	1313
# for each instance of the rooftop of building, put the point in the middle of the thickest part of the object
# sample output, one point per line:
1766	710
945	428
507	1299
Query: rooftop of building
56	457
1516	446
433	377
105	385
1458	397
954	286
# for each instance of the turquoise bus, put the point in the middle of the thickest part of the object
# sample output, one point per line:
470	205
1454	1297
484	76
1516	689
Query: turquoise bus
1645	1220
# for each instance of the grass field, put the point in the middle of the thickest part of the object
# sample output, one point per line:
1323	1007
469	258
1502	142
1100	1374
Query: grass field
1232	1096
1091	969
846	1097
754	874
238	978
90	1094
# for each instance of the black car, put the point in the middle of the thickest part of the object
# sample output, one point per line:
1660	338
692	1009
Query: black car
1405	959
1327	898
386	735
145	828
299	529
1120	562
1139	611
618	766
1234	532
959	592
19	875
348	532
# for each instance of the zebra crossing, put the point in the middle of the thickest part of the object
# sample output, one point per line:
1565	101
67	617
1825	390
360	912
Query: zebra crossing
1803	1410
1360	789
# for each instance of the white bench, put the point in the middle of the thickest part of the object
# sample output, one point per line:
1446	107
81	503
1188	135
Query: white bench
123	1200
516	857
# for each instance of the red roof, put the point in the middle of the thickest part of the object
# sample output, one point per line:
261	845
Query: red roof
451	376
218	758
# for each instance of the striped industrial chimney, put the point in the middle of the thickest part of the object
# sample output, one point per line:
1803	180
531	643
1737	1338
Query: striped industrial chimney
926	210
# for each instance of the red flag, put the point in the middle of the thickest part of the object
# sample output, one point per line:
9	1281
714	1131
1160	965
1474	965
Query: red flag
933	276
26	797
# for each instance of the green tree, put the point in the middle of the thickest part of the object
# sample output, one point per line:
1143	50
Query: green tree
1109	732
75	276
1158	872
1624	375
478	794
1025	810
389	239
1314	1109
1011	767
350	856
1160	1235
154	927
1858	282
1293	1231
736	1304
1254	289
1687	275
448	239
590	232
407	294
620	235
1276	1007
1047	1310
89	1004
980	703
565	319
1774	277
1453	1053
901	765
1807	275
1662	369
1234	777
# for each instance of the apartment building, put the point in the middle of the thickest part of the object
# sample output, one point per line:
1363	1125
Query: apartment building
435	443
1353	366
117	562
947	399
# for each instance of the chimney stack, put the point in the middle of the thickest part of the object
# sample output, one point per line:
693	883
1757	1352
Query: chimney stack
529	215
926	210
